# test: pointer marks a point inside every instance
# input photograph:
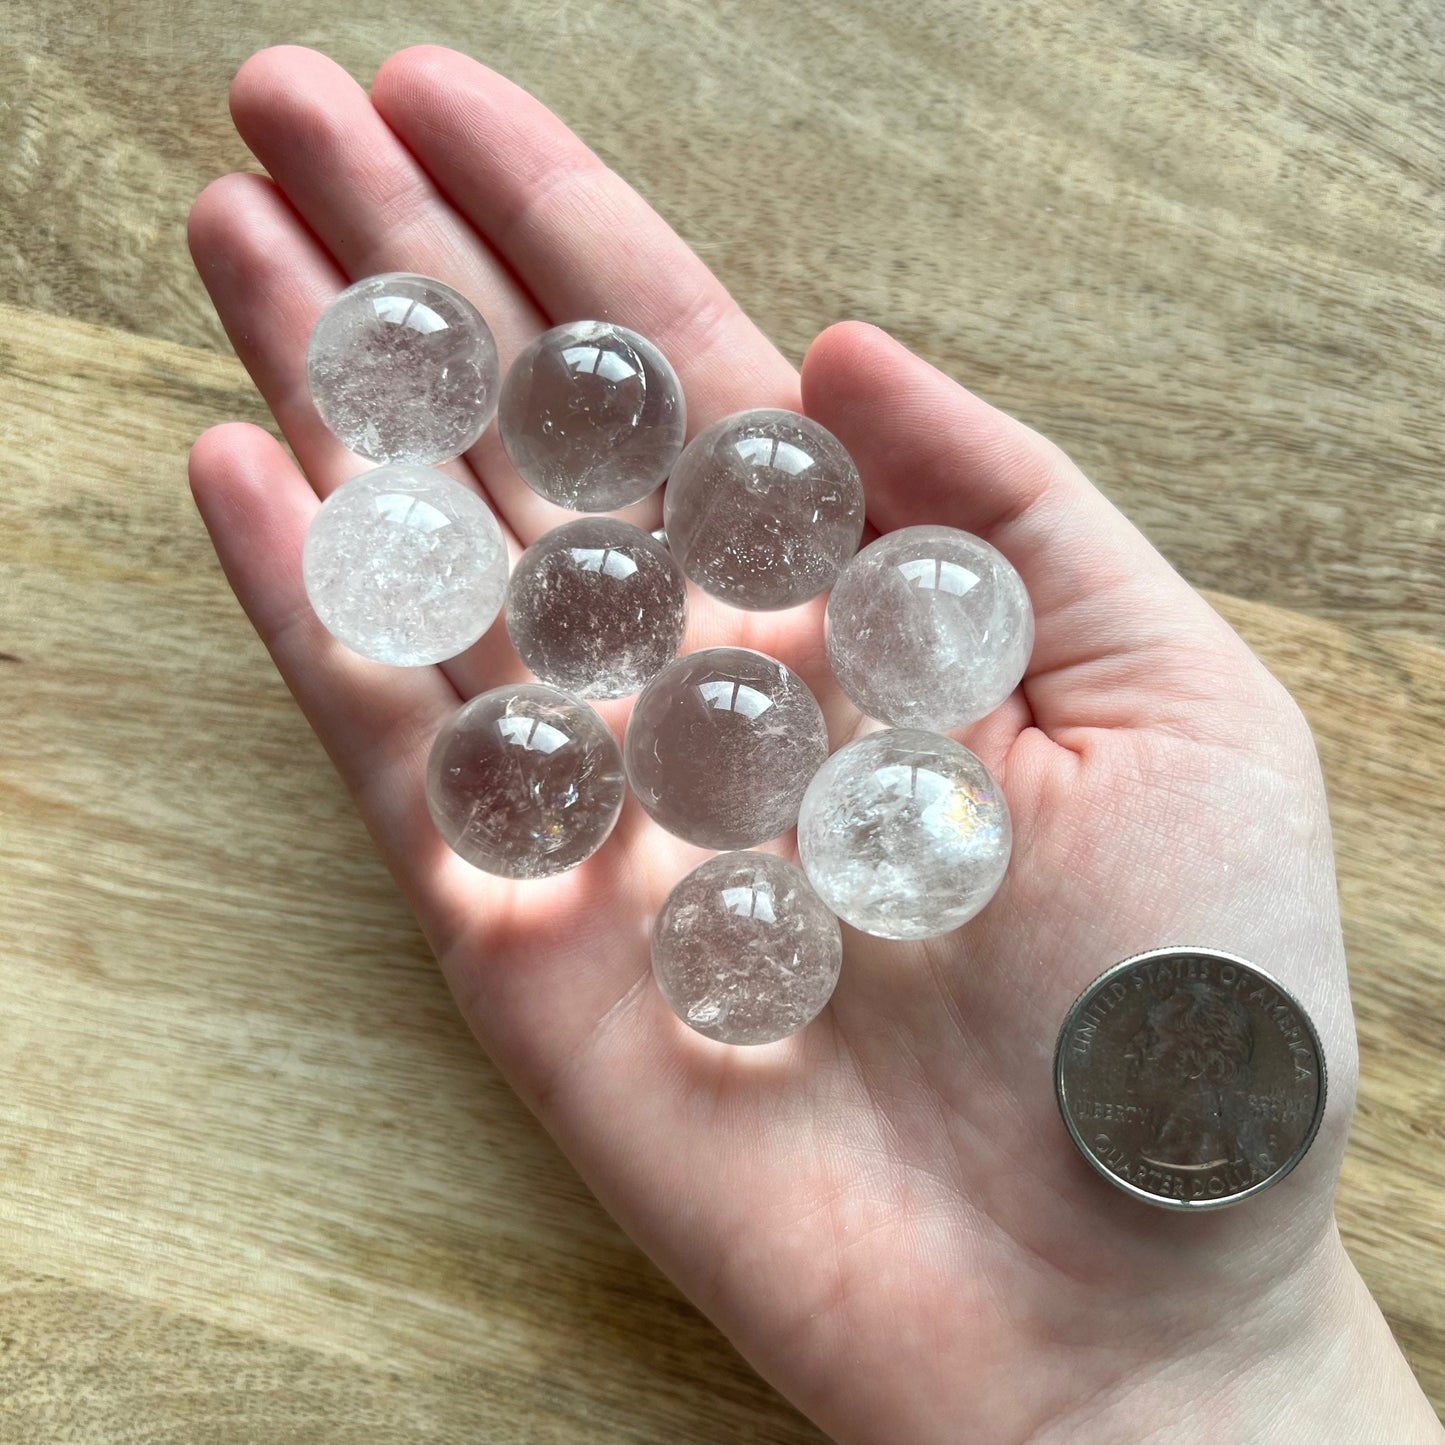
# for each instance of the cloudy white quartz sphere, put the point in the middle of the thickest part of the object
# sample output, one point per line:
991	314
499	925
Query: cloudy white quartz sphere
405	565
905	834
929	627
744	951
402	368
592	416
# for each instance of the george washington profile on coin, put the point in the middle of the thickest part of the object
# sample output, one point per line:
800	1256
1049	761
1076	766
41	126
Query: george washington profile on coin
1194	1049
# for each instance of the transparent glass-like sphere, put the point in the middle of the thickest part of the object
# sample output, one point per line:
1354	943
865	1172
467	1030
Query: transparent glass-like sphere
744	951
525	781
405	565
597	607
929	627
722	744
905	834
763	509
403	369
592	416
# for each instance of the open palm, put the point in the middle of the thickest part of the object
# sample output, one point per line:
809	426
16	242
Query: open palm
884	1212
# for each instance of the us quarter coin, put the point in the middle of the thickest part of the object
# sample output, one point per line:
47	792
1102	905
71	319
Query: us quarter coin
1190	1078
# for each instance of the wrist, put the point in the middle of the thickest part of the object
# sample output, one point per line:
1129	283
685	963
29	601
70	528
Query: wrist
1313	1359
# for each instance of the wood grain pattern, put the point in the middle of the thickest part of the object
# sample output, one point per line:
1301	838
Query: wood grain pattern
256	1182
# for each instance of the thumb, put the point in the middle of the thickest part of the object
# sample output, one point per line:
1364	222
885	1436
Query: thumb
1122	640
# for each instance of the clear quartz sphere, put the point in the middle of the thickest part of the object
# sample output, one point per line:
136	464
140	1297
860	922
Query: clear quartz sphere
403	369
525	781
722	744
597	607
744	951
905	834
763	509
405	565
929	627
592	416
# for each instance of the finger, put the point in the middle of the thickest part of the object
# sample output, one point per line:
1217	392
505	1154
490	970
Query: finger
358	188
376	722
374	209
269	281
1122	639
583	242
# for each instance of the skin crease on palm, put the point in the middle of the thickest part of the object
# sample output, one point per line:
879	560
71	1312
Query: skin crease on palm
884	1212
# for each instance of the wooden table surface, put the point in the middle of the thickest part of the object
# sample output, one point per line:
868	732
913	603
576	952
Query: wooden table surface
256	1181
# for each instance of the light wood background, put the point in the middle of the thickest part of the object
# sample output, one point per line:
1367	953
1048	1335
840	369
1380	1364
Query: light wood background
256	1183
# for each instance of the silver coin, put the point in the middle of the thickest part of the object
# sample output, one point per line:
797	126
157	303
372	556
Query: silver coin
1190	1078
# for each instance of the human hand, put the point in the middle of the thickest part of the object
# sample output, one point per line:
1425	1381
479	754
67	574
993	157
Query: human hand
884	1213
